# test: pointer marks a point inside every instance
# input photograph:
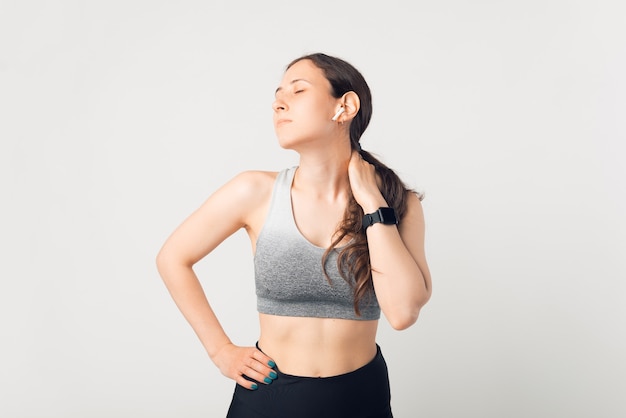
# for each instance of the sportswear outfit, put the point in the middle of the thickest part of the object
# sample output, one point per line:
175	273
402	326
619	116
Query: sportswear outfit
290	281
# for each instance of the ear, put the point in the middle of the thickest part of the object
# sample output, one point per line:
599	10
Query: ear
351	104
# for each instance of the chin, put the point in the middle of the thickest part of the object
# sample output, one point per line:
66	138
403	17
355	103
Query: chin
289	142
285	143
294	142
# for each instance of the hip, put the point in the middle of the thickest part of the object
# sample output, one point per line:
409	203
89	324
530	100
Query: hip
364	392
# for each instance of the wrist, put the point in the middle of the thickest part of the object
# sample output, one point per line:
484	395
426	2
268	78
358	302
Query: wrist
373	205
217	348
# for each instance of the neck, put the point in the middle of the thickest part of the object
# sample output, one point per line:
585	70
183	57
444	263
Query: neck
324	171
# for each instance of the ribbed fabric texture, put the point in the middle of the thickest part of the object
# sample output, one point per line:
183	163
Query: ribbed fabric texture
288	268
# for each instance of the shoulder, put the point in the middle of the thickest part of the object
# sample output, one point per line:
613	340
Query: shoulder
414	215
248	189
414	201
252	183
250	195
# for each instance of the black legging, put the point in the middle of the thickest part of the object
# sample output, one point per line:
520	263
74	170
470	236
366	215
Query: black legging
363	393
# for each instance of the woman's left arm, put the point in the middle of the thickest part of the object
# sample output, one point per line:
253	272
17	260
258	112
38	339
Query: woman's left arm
399	269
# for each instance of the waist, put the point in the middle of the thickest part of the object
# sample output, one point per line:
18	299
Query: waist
317	347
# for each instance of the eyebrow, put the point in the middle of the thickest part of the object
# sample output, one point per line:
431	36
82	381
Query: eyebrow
292	82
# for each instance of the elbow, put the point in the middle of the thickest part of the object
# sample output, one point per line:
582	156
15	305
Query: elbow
403	320
165	261
161	261
170	264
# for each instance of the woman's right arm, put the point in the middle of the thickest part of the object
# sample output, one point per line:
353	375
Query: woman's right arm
235	205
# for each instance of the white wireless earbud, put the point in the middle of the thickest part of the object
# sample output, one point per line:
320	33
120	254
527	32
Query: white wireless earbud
339	112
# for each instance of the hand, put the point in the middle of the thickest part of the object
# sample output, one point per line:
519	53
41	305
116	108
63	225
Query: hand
236	362
365	184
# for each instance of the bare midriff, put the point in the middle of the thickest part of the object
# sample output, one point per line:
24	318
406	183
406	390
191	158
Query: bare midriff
317	347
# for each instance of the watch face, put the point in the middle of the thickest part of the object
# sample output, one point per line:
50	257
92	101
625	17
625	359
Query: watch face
388	216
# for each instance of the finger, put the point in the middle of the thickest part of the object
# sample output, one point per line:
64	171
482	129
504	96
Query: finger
243	382
355	165
266	362
257	376
356	156
257	367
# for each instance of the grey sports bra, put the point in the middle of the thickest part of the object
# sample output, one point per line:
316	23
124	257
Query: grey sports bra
288	269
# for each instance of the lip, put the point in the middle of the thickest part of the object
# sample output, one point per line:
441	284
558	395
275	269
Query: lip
280	122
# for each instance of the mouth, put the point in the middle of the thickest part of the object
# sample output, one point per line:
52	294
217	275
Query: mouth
281	122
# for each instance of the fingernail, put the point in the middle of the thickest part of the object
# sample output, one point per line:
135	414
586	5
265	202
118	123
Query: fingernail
273	375
271	363
254	386
268	380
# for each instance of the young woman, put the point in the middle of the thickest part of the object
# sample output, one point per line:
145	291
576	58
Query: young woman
336	240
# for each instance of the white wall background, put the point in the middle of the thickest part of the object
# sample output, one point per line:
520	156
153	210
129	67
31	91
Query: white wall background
118	118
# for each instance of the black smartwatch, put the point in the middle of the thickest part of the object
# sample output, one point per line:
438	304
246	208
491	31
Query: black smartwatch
386	216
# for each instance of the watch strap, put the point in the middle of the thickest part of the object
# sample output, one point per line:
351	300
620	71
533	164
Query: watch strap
384	215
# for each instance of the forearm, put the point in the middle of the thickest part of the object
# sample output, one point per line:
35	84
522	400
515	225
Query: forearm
187	292
401	286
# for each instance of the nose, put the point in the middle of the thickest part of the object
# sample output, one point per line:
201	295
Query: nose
279	105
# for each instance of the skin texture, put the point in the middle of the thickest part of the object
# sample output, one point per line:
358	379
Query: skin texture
327	171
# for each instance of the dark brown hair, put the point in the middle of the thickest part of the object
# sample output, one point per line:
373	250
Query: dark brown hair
353	260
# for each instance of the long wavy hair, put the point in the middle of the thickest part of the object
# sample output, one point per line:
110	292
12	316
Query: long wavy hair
353	260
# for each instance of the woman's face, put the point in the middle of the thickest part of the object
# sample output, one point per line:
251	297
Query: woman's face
304	106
